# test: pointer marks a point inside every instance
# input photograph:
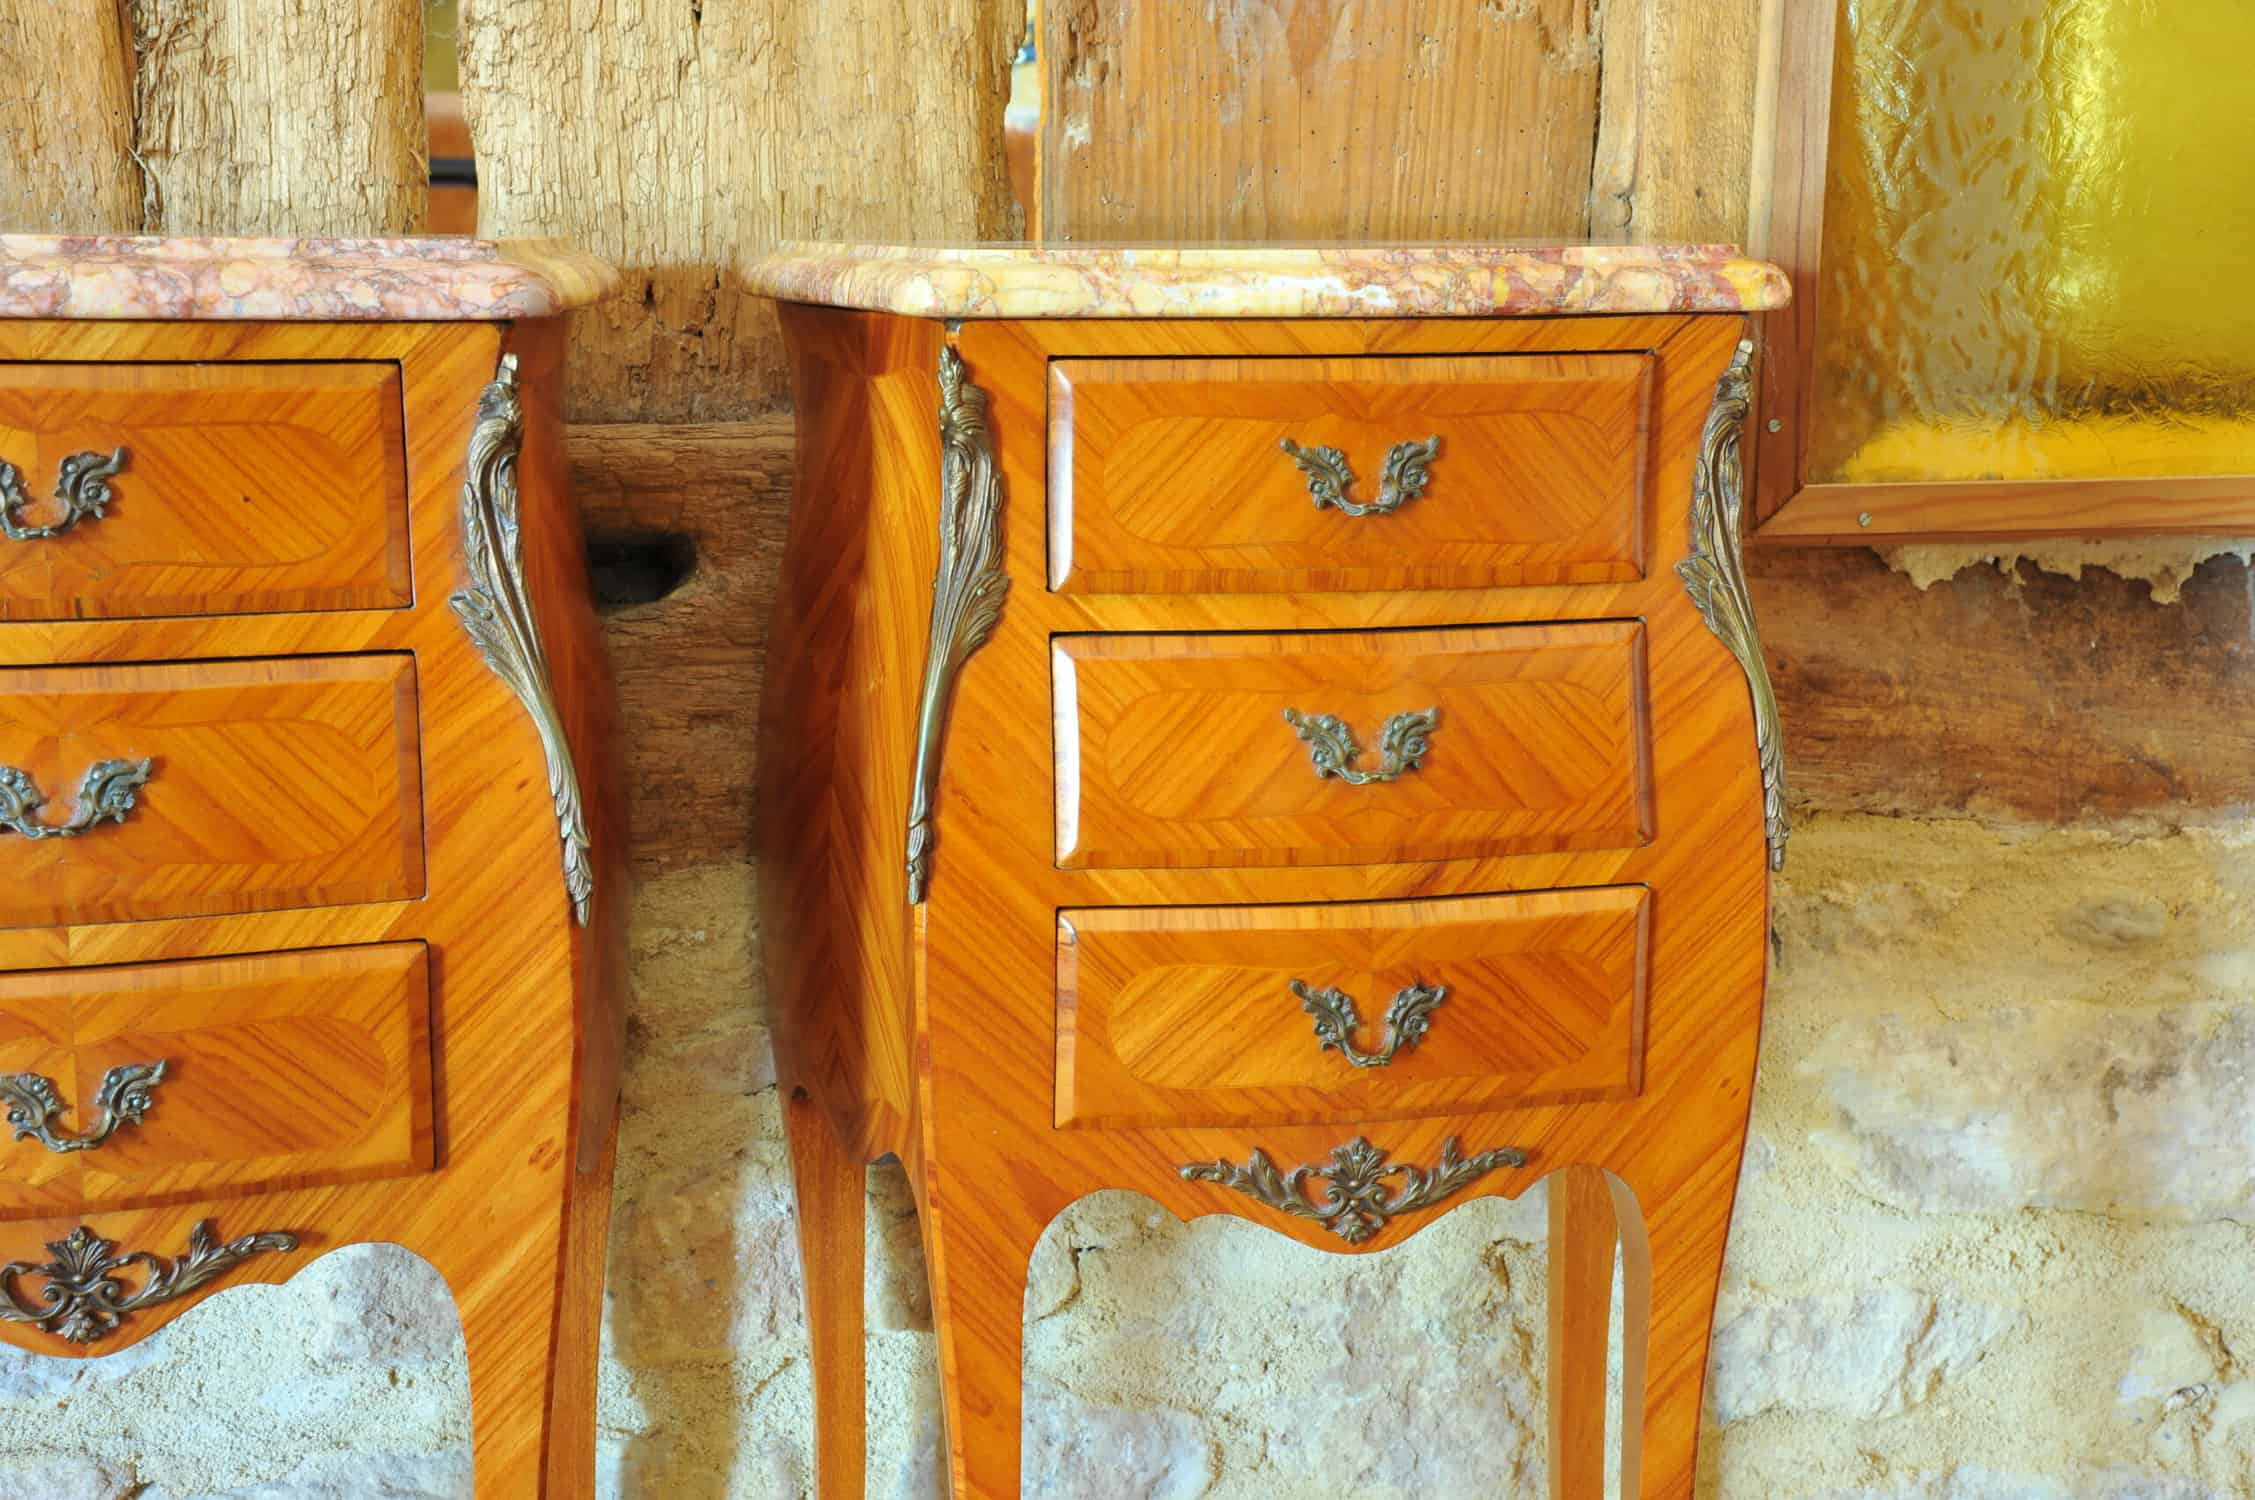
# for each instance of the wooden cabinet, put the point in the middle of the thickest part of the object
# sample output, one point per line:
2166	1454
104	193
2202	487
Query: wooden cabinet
1172	782
310	919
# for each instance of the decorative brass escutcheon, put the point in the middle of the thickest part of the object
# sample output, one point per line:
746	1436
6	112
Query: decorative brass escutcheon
1355	1204
1402	744
82	489
84	1301
1407	1019
1401	480
123	1098
105	795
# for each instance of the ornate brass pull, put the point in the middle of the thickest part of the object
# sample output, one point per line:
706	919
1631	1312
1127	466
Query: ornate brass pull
1331	744
1354	1205
105	794
1407	1020
1400	481
123	1099
82	488
84	1301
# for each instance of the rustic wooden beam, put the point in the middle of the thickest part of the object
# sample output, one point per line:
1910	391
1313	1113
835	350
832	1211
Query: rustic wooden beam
1675	133
65	141
674	140
252	118
715	497
2037	697
1419	119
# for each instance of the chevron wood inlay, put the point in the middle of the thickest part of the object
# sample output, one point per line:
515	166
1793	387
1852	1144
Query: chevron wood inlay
1174	749
1589	868
284	782
246	487
281	1069
1165	475
340	902
1186	1015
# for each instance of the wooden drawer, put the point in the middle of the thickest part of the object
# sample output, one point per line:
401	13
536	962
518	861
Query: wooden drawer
245	488
1190	1016
270	784
1168	476
280	1070
1176	750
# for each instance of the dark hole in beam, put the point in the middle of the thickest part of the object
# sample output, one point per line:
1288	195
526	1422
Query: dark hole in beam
642	567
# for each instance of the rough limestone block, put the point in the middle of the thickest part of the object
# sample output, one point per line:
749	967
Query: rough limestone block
71	1479
2057	1104
1873	1353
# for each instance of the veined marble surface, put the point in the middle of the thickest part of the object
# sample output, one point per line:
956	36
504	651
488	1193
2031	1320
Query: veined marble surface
1075	280
320	280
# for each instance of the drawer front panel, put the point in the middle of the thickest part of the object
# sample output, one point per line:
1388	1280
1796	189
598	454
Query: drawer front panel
284	1069
270	784
1176	751
1169	476
1220	1015
245	488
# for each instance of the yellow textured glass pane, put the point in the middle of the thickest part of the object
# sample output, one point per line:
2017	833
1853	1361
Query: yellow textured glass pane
2037	234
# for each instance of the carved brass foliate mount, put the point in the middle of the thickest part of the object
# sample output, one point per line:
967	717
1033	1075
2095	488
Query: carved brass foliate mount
1715	576
497	611
1356	1202
967	590
1408	1018
1403	743
106	793
82	489
1401	479
84	1301
124	1097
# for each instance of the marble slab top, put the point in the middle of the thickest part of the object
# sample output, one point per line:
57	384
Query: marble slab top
437	279
1070	279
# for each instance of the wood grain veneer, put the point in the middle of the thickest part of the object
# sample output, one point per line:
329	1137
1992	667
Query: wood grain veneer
488	1147
281	1069
1186	1015
293	781
1165	476
932	1031
245	488
1175	750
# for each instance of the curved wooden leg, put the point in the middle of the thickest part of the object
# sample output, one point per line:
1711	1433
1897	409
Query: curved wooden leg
579	1330
1672	1258
509	1316
1583	1237
979	1254
832	1192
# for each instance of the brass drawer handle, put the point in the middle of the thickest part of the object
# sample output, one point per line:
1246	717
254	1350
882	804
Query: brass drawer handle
105	794
123	1099
1331	744
1407	1019
1400	481
1355	1204
84	1301
82	488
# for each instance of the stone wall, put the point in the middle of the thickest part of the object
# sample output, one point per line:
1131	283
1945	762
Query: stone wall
1995	1241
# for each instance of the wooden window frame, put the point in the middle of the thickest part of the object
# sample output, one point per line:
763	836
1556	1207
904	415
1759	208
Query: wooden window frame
1790	510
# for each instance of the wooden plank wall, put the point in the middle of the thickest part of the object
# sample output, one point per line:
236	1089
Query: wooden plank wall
1399	119
673	136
